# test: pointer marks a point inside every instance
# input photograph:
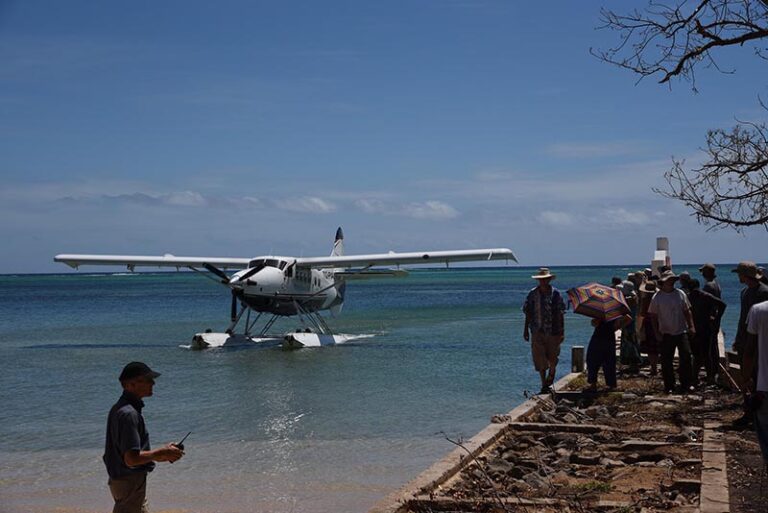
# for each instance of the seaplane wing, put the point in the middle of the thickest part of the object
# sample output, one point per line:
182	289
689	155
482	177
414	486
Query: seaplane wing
132	261
419	257
360	274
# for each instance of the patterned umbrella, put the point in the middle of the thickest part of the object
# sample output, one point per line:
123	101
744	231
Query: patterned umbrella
598	301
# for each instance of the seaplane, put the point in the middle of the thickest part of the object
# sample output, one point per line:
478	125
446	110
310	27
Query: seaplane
266	288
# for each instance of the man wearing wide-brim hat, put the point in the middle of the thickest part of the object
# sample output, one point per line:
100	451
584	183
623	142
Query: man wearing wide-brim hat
670	312
544	310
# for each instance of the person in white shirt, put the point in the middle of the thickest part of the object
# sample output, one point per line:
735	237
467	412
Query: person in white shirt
673	323
756	354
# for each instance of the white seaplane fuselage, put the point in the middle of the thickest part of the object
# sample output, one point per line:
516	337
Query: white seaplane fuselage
281	288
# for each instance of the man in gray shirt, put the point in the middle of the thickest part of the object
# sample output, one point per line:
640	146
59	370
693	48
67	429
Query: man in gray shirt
673	322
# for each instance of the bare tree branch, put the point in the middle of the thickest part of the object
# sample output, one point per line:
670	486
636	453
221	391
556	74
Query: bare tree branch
672	40
731	188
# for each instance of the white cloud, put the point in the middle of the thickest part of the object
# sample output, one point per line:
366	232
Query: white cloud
431	210
250	201
605	218
622	217
184	199
632	182
372	206
309	204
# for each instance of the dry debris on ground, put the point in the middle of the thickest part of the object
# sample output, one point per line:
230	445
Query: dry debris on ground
630	450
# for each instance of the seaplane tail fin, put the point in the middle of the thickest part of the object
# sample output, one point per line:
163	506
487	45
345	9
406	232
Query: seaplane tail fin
338	243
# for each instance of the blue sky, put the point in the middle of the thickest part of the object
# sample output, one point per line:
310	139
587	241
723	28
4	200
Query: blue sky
243	128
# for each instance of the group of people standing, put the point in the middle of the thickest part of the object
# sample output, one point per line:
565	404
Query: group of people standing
662	319
686	320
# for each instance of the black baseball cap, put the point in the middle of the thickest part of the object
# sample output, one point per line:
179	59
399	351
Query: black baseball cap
137	369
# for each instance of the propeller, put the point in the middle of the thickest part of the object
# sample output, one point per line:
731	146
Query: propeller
233	308
218	272
250	272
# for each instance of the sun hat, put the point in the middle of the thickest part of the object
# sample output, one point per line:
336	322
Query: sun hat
707	266
543	273
137	369
748	268
648	287
668	275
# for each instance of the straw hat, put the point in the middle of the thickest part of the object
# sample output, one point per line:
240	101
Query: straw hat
543	274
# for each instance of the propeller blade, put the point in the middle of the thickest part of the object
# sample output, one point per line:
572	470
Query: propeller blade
250	272
233	308
218	272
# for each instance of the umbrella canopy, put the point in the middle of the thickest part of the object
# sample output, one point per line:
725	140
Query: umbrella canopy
598	301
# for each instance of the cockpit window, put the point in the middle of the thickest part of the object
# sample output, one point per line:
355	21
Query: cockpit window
267	262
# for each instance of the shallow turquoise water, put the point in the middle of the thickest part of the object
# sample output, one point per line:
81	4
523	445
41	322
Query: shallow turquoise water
273	430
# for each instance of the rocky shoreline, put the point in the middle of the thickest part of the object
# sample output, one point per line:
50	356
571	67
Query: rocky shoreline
629	450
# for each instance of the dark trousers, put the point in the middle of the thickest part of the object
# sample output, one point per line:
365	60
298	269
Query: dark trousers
601	352
130	493
701	348
713	357
668	345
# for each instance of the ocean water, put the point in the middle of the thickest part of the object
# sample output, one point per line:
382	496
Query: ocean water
314	430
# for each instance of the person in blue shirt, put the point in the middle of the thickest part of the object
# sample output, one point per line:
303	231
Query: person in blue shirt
544	310
127	452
